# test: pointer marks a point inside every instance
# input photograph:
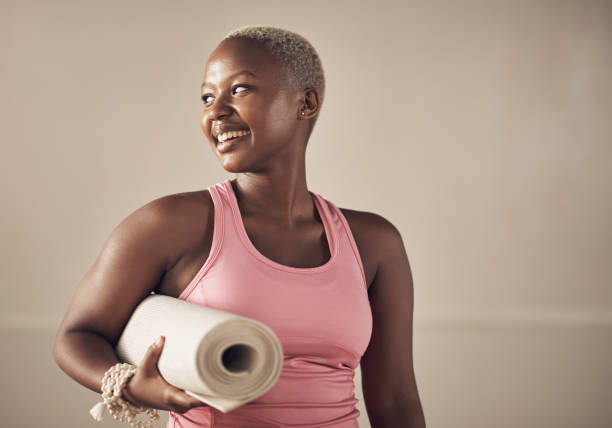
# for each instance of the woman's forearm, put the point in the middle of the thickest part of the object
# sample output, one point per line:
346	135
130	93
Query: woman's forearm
84	356
404	415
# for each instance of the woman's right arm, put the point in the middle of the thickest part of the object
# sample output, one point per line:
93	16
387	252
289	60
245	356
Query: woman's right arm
132	262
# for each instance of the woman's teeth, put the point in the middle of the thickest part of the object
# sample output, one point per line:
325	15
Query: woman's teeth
232	134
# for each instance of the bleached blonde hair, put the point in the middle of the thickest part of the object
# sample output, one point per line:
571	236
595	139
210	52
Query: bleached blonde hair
292	50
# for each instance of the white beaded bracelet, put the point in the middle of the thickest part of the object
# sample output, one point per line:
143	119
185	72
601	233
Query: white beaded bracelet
113	382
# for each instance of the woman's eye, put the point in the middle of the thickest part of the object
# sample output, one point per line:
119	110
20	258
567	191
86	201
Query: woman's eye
237	88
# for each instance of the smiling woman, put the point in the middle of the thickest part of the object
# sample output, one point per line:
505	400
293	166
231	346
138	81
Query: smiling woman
333	284
269	78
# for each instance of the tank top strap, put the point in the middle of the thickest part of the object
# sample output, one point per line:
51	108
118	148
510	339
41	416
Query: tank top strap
342	229
219	231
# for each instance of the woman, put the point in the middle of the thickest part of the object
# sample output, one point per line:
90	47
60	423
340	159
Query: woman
334	284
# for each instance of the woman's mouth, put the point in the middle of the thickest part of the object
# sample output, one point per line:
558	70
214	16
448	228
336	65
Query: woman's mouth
227	140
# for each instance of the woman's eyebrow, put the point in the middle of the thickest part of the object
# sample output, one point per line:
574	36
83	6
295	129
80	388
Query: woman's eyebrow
250	73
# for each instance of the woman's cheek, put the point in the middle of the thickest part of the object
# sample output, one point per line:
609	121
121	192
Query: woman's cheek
203	117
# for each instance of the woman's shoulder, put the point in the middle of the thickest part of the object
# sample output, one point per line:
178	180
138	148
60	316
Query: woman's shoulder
189	207
177	203
372	234
185	218
367	223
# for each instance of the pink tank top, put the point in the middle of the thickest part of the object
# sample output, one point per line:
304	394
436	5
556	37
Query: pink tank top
321	316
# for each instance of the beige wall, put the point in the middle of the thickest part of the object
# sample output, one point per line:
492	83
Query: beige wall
480	129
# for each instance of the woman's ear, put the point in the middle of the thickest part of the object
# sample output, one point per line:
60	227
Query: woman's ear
310	104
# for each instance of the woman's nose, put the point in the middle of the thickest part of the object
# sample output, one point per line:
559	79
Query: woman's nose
220	109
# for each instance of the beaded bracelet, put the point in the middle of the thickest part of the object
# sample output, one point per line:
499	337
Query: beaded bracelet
113	382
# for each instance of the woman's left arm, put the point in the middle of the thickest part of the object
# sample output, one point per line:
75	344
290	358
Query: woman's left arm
388	380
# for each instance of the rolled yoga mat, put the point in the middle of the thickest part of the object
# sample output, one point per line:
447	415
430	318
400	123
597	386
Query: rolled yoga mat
221	358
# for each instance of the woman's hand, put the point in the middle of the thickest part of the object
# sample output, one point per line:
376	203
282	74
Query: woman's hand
148	388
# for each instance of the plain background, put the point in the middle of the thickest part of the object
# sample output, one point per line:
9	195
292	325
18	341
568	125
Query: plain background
480	129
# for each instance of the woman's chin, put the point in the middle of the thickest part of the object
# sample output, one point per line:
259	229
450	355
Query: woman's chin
232	165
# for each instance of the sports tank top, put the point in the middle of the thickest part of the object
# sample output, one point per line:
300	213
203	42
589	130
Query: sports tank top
321	316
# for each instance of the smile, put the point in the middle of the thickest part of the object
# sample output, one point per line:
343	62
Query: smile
231	135
230	140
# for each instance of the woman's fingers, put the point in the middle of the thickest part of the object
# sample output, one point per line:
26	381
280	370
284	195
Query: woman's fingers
179	399
150	388
151	357
194	402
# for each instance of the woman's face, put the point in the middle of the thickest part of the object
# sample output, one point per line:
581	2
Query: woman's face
245	90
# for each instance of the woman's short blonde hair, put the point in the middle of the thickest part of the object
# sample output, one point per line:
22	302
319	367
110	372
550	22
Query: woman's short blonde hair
292	50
